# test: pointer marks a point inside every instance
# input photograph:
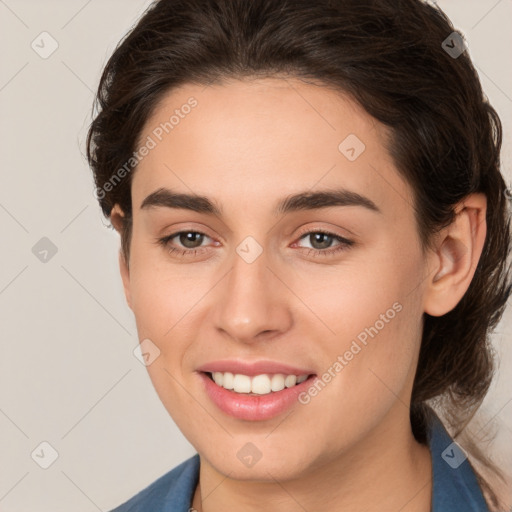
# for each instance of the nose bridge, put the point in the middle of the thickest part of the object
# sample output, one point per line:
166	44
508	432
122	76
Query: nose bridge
252	300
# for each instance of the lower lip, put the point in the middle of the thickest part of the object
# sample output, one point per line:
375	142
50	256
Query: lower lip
253	407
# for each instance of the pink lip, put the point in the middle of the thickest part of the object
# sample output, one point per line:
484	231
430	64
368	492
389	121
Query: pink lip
252	369
253	407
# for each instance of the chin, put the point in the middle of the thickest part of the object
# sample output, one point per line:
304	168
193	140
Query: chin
249	463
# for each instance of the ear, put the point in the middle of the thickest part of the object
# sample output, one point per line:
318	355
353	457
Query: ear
456	256
117	218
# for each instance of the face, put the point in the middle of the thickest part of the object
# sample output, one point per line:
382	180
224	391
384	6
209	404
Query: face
301	258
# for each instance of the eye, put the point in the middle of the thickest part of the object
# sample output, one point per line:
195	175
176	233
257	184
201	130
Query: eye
191	241
321	242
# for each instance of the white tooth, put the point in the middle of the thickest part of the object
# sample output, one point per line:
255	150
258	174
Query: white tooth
277	382
228	381
261	384
242	383
290	381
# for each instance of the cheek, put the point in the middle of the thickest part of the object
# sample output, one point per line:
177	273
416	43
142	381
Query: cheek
163	294
373	312
369	369
163	305
364	293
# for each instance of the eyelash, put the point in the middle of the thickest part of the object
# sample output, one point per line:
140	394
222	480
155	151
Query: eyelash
343	245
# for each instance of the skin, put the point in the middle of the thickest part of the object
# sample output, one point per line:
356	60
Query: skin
247	145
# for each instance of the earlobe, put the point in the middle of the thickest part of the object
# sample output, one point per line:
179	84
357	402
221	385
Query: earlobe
456	256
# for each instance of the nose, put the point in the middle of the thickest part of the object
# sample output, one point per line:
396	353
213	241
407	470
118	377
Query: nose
252	304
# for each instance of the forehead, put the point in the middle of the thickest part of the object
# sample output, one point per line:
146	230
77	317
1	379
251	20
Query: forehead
254	139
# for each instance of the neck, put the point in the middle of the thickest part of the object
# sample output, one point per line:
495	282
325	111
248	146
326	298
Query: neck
387	470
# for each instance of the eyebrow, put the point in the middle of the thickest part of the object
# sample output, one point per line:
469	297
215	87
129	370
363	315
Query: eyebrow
164	197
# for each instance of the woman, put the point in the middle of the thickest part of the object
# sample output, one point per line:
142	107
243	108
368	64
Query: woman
314	241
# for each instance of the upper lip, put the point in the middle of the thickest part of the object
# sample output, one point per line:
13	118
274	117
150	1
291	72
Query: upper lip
253	368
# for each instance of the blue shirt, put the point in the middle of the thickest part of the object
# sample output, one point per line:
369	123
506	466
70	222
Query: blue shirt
454	489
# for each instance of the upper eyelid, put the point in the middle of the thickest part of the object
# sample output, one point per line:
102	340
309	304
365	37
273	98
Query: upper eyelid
327	231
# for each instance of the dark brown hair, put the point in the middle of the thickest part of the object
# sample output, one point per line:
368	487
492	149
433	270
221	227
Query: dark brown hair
388	55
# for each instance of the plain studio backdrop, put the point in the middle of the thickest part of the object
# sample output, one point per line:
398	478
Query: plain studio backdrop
68	374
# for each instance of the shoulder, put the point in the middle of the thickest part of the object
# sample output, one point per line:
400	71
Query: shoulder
455	485
172	491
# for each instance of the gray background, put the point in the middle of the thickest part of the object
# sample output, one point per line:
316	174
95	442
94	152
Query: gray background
67	369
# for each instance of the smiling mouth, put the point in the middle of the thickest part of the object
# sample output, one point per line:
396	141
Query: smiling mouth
257	385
